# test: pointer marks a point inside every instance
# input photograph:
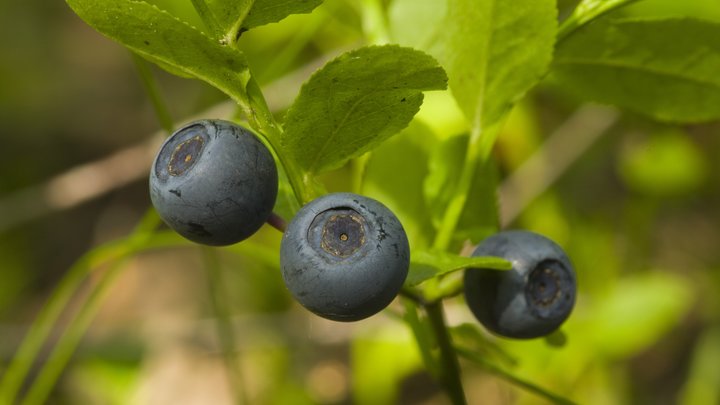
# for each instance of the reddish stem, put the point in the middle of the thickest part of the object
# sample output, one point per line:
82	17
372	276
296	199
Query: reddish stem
277	222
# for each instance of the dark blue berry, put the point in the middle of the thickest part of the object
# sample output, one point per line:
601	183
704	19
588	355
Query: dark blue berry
344	256
533	298
214	182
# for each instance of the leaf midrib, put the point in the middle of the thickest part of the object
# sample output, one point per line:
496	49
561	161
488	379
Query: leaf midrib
480	102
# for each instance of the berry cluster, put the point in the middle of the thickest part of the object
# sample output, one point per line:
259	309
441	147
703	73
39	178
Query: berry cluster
343	256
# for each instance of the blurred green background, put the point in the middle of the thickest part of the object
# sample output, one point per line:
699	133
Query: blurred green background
633	201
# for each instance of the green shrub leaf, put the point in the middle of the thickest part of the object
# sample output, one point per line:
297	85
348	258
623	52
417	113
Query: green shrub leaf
480	216
495	51
406	157
167	41
416	23
237	16
425	265
666	164
665	68
355	102
638	312
392	346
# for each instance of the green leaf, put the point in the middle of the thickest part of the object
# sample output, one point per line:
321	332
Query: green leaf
406	157
703	382
162	38
480	216
391	346
270	11
238	16
494	51
355	102
425	265
638	312
665	164
665	68
107	378
703	9
586	11
416	23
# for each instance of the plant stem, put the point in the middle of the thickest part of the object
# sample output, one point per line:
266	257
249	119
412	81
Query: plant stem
148	80
478	151
79	323
450	367
40	329
277	222
258	113
413	295
34	340
219	301
65	347
358	166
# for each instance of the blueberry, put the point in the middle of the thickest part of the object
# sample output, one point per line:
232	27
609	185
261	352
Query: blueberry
213	182
344	256
533	298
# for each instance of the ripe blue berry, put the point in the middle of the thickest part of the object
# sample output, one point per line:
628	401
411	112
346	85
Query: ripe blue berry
213	182
533	298
344	256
